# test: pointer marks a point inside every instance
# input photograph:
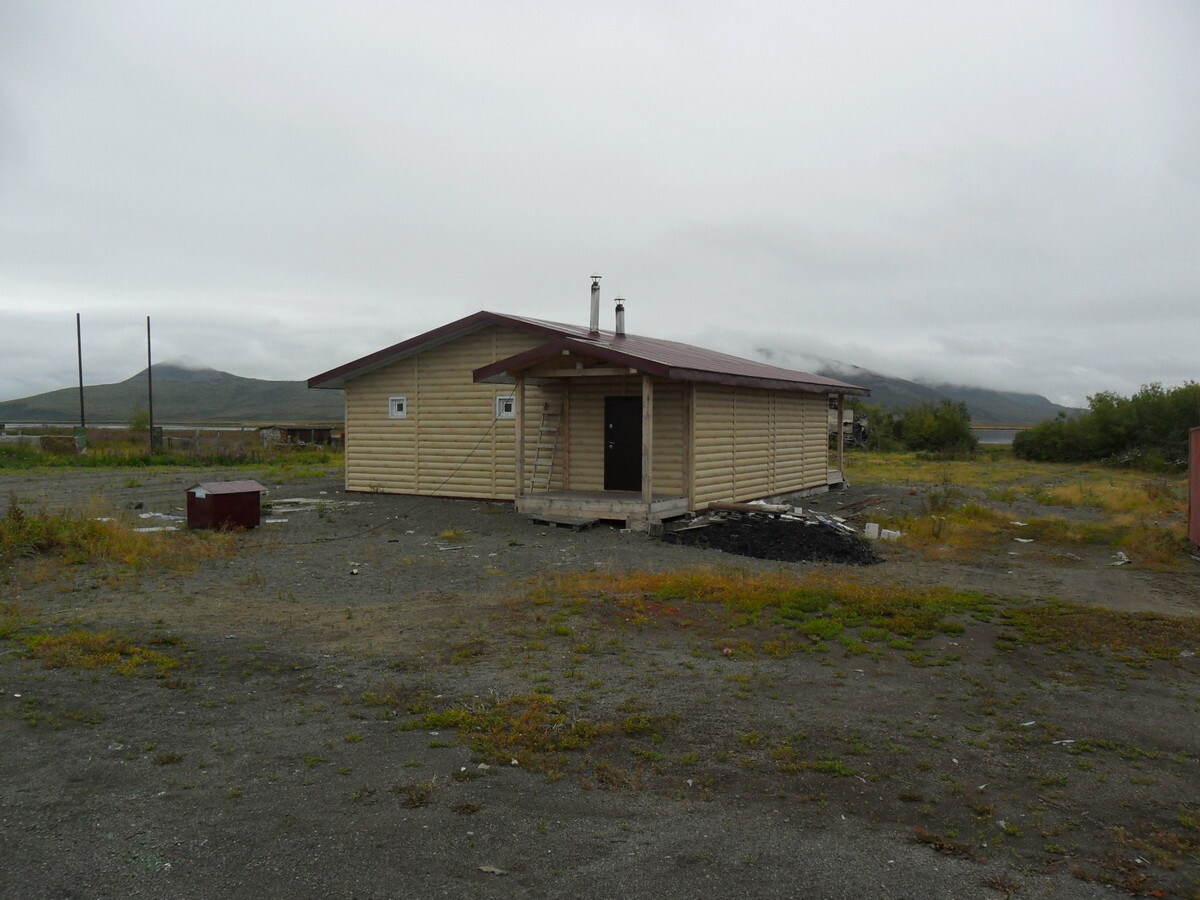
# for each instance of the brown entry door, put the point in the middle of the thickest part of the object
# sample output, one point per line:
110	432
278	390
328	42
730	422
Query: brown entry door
622	443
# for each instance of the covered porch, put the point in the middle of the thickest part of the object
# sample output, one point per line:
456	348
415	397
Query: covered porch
589	441
608	434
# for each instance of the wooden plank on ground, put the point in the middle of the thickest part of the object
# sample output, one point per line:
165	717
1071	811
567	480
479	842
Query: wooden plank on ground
773	510
575	523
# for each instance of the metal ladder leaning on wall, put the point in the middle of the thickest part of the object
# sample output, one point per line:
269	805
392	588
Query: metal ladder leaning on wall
546	449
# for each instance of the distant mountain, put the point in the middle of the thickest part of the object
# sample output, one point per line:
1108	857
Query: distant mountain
1003	407
987	407
892	394
188	396
183	396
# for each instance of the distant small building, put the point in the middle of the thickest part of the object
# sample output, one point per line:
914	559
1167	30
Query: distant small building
323	435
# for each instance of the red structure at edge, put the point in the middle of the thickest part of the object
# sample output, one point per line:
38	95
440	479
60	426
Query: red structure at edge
1194	487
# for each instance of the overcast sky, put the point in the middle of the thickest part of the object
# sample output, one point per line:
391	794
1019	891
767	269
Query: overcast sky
1004	194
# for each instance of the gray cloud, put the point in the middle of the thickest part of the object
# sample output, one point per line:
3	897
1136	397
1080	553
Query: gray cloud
1003	194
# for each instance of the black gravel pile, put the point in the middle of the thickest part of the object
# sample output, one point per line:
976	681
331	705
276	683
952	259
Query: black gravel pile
787	540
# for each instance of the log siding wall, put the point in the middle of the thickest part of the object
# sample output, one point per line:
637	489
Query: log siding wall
451	443
750	444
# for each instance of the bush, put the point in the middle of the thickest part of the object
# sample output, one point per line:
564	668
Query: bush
1148	430
139	420
944	428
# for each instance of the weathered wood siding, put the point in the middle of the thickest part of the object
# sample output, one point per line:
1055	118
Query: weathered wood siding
750	443
586	454
450	444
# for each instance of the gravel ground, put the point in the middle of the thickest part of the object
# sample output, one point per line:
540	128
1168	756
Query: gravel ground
278	759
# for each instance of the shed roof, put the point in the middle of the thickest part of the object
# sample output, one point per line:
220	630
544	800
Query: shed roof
653	356
227	487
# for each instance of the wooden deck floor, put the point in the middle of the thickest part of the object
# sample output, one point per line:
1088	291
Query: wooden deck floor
625	506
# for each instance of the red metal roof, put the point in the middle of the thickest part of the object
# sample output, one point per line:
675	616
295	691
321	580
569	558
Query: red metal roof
666	359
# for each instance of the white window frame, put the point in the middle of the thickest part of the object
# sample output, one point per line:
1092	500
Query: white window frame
398	407
502	402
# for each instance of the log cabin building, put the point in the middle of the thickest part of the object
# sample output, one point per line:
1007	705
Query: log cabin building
576	421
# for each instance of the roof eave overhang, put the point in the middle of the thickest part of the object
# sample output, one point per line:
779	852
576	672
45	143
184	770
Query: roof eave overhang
337	378
768	384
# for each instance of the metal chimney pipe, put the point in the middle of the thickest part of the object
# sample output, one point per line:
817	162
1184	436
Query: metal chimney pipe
620	317
594	324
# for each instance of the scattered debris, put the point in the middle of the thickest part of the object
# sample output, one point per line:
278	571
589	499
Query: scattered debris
860	505
307	504
1023	540
492	870
1120	559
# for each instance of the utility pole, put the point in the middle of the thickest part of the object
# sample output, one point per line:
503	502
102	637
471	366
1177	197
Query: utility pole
81	431
150	384
79	355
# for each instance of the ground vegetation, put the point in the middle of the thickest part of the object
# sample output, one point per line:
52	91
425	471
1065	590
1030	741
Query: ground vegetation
375	695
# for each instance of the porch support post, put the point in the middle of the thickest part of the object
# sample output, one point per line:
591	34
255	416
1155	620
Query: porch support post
520	442
841	437
647	443
564	428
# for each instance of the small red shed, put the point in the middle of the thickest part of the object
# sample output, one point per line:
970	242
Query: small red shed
224	504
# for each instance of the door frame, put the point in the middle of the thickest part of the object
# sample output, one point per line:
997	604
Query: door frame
623	450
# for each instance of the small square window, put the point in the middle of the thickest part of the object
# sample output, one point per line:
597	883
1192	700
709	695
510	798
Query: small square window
506	407
397	407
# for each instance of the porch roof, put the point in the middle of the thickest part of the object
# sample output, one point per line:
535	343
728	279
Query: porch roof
669	360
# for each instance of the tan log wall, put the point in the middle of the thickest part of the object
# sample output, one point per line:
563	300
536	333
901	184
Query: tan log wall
450	444
750	443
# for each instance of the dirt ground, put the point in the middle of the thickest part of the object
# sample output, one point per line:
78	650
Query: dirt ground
280	758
